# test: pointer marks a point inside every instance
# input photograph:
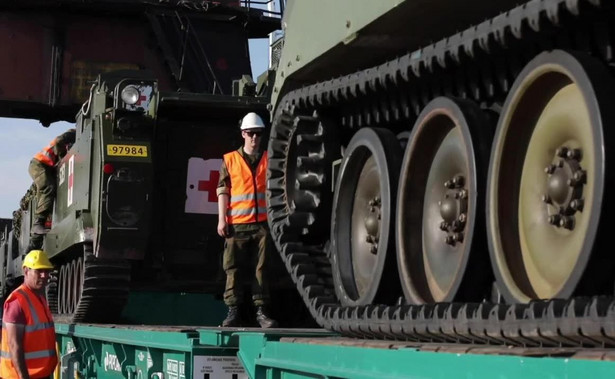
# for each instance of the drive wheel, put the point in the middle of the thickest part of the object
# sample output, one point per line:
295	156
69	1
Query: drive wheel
301	151
361	232
546	180
441	244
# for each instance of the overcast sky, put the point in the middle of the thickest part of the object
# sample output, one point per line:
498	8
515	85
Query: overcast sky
21	139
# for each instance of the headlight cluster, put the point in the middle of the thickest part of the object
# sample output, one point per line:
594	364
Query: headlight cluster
136	95
130	95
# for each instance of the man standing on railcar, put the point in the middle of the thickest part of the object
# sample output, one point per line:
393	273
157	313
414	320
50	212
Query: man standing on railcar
242	220
28	347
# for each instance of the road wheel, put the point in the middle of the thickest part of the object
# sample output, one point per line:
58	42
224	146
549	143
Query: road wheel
441	244
362	248
547	185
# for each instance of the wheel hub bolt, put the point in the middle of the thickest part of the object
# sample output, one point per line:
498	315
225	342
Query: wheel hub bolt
547	199
463	194
450	240
462	218
373	249
456	225
458	181
562	152
371	239
577	204
444	226
554	219
580	176
574	154
550	169
375	202
449	184
567	222
458	237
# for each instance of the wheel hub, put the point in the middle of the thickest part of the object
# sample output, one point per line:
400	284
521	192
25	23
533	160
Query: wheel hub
453	209
372	224
565	181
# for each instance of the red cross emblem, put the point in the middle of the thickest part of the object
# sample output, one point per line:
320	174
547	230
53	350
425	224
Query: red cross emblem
142	98
210	186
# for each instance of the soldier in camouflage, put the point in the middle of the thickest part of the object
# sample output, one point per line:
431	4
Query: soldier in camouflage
42	169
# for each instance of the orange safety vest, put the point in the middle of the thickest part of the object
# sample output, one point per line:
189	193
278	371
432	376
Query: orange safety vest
39	337
247	203
47	156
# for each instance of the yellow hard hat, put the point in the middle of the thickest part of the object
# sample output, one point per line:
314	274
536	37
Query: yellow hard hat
37	259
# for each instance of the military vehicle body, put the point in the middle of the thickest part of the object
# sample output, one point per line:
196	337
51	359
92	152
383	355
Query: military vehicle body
439	170
135	207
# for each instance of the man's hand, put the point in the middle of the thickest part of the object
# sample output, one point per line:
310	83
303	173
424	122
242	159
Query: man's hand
223	228
223	200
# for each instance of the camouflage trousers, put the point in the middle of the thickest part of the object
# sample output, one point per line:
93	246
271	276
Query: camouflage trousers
244	261
45	180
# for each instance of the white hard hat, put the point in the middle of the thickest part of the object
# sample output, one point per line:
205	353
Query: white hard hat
252	121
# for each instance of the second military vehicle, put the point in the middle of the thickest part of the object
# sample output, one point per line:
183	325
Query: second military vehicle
440	170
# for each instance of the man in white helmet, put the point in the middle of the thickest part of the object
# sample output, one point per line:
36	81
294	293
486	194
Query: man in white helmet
242	220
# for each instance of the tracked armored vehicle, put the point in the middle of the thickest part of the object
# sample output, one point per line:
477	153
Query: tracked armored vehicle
440	171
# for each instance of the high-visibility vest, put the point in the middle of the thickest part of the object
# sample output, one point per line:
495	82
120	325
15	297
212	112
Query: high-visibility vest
47	156
39	337
247	203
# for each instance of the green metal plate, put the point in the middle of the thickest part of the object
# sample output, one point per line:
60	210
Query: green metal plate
267	357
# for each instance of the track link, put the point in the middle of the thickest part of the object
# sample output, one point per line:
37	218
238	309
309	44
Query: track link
479	64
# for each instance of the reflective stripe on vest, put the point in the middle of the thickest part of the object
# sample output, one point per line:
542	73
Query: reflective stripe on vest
33	328
247	199
32	355
47	156
39	337
259	196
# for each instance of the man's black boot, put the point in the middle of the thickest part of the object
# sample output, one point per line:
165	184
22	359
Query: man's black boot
232	318
263	320
38	227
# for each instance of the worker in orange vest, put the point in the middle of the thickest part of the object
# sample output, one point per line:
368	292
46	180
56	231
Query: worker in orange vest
42	169
28	335
242	220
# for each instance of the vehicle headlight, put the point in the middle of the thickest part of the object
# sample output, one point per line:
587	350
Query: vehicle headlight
130	95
